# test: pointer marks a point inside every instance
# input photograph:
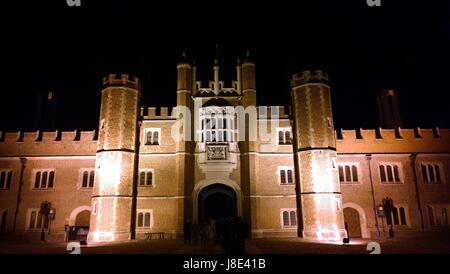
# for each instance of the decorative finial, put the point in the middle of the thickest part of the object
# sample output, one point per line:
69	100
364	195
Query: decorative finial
238	61
248	58
216	61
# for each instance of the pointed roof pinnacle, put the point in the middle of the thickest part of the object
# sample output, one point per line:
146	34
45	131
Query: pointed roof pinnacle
248	58
183	59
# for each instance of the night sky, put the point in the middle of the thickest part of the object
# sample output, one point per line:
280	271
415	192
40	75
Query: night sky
47	45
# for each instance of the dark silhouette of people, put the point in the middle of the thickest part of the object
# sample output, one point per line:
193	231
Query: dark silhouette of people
43	235
187	232
346	240
195	233
235	233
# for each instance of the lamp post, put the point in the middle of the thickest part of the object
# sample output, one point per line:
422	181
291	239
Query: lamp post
48	215
381	213
388	205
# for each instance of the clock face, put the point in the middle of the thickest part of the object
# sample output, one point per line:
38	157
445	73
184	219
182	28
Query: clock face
216	153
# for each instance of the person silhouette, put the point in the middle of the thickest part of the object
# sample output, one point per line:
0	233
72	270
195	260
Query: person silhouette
187	232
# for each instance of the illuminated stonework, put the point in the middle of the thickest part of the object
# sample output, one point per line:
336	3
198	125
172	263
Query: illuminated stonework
315	148
113	194
147	181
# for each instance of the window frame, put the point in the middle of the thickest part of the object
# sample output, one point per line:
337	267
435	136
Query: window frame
7	178
350	165
42	170
392	166
441	172
28	220
288	210
146	170
80	178
286	169
152	130
152	218
407	220
437	219
284	130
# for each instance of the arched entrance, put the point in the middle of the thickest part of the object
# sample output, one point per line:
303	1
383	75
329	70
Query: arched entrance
217	201
352	221
83	218
79	223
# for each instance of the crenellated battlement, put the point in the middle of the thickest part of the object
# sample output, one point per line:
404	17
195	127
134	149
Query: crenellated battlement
55	143
123	80
158	113
48	137
309	77
396	140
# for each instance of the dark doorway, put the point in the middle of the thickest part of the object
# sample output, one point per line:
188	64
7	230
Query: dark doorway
215	202
351	217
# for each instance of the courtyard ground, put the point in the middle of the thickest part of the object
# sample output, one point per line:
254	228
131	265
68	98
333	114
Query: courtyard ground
425	245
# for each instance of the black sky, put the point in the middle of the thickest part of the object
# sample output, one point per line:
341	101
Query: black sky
47	45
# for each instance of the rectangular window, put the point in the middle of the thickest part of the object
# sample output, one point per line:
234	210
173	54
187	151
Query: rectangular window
286	218
144	219
390	173
87	177
152	136
283	176
288	139
293	218
284	137
5	179
397	217
341	173
290	180
286	175
146	178
44	179
348	173
289	217
382	173
431	173
37	220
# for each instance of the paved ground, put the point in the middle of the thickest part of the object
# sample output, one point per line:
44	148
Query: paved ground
428	245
